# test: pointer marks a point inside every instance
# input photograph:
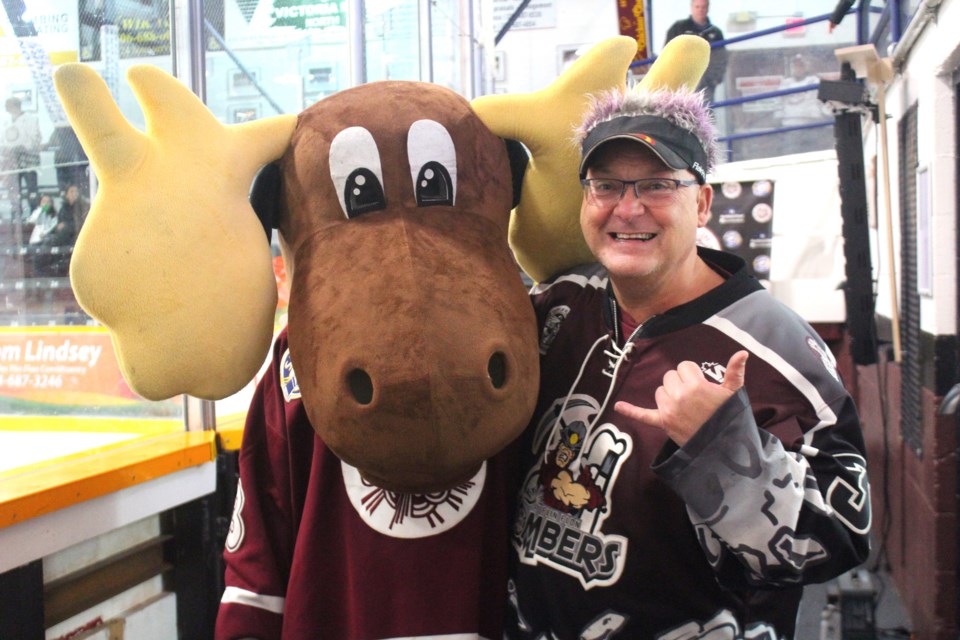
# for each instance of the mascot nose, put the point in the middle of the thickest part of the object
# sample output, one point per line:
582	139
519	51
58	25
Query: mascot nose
362	385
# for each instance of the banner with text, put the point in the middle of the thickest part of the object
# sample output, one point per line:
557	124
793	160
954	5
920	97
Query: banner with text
538	14
57	368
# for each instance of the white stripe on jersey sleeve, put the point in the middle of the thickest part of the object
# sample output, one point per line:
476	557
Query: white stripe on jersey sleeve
236	595
593	281
824	412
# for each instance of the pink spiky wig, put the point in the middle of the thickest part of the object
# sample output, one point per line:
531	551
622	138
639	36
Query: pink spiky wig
683	109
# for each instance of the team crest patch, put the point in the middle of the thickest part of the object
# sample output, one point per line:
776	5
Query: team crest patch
411	515
566	495
288	378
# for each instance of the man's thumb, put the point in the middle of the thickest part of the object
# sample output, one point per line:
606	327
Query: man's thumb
736	371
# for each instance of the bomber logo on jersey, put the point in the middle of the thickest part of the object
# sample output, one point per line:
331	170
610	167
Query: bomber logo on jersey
566	495
411	515
551	326
826	357
288	378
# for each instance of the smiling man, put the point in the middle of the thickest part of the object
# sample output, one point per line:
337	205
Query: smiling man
695	493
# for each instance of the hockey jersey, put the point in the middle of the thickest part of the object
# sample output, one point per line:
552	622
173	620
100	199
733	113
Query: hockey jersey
314	551
711	540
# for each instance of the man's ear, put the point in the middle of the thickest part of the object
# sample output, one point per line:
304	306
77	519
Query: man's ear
704	202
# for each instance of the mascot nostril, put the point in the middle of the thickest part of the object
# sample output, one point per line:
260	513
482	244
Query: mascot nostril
361	386
497	370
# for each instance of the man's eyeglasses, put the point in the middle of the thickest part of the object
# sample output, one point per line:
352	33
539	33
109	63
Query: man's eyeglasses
649	191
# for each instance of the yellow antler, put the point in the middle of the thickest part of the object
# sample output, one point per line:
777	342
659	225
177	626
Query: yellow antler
172	259
545	227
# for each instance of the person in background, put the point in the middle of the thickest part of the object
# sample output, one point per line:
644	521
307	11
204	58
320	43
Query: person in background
694	458
69	159
50	258
44	219
73	213
803	108
75	207
21	151
699	24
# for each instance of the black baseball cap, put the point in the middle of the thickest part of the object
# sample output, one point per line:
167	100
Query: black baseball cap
677	147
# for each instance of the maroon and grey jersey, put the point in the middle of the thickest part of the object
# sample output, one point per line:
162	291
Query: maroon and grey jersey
711	540
316	552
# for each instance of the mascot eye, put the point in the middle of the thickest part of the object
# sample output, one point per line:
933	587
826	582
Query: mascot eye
356	172
433	163
362	193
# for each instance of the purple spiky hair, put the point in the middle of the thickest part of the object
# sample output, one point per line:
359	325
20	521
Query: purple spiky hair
685	109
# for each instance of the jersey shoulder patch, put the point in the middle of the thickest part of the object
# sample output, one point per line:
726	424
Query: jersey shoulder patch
288	378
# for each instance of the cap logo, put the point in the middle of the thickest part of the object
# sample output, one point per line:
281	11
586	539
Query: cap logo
700	172
645	138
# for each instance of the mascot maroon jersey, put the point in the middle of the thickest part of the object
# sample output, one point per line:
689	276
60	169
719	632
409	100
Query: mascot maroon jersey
316	552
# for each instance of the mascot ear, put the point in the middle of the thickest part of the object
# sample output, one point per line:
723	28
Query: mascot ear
265	197
519	159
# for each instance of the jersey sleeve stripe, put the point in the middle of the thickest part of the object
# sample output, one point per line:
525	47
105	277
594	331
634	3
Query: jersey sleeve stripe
235	595
825	414
595	281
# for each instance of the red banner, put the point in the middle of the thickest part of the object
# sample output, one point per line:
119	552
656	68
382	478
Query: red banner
61	366
633	23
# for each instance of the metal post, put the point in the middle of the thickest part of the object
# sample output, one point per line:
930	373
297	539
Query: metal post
426	40
356	18
189	56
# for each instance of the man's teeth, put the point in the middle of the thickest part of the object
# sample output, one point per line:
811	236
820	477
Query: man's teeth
634	236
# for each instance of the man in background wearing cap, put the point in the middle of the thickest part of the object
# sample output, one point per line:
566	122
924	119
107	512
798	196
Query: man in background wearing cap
725	485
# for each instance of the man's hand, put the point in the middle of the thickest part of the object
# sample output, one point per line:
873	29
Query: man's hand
687	399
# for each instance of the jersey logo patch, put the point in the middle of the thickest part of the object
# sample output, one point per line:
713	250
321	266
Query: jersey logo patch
565	496
826	357
713	370
551	326
288	378
851	500
409	515
237	528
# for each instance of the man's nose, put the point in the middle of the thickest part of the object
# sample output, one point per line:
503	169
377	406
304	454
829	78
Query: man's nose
629	204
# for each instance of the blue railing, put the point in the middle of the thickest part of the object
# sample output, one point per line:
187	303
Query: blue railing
890	17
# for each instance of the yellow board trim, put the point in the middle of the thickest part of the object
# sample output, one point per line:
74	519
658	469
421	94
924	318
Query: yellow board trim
52	487
230	437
